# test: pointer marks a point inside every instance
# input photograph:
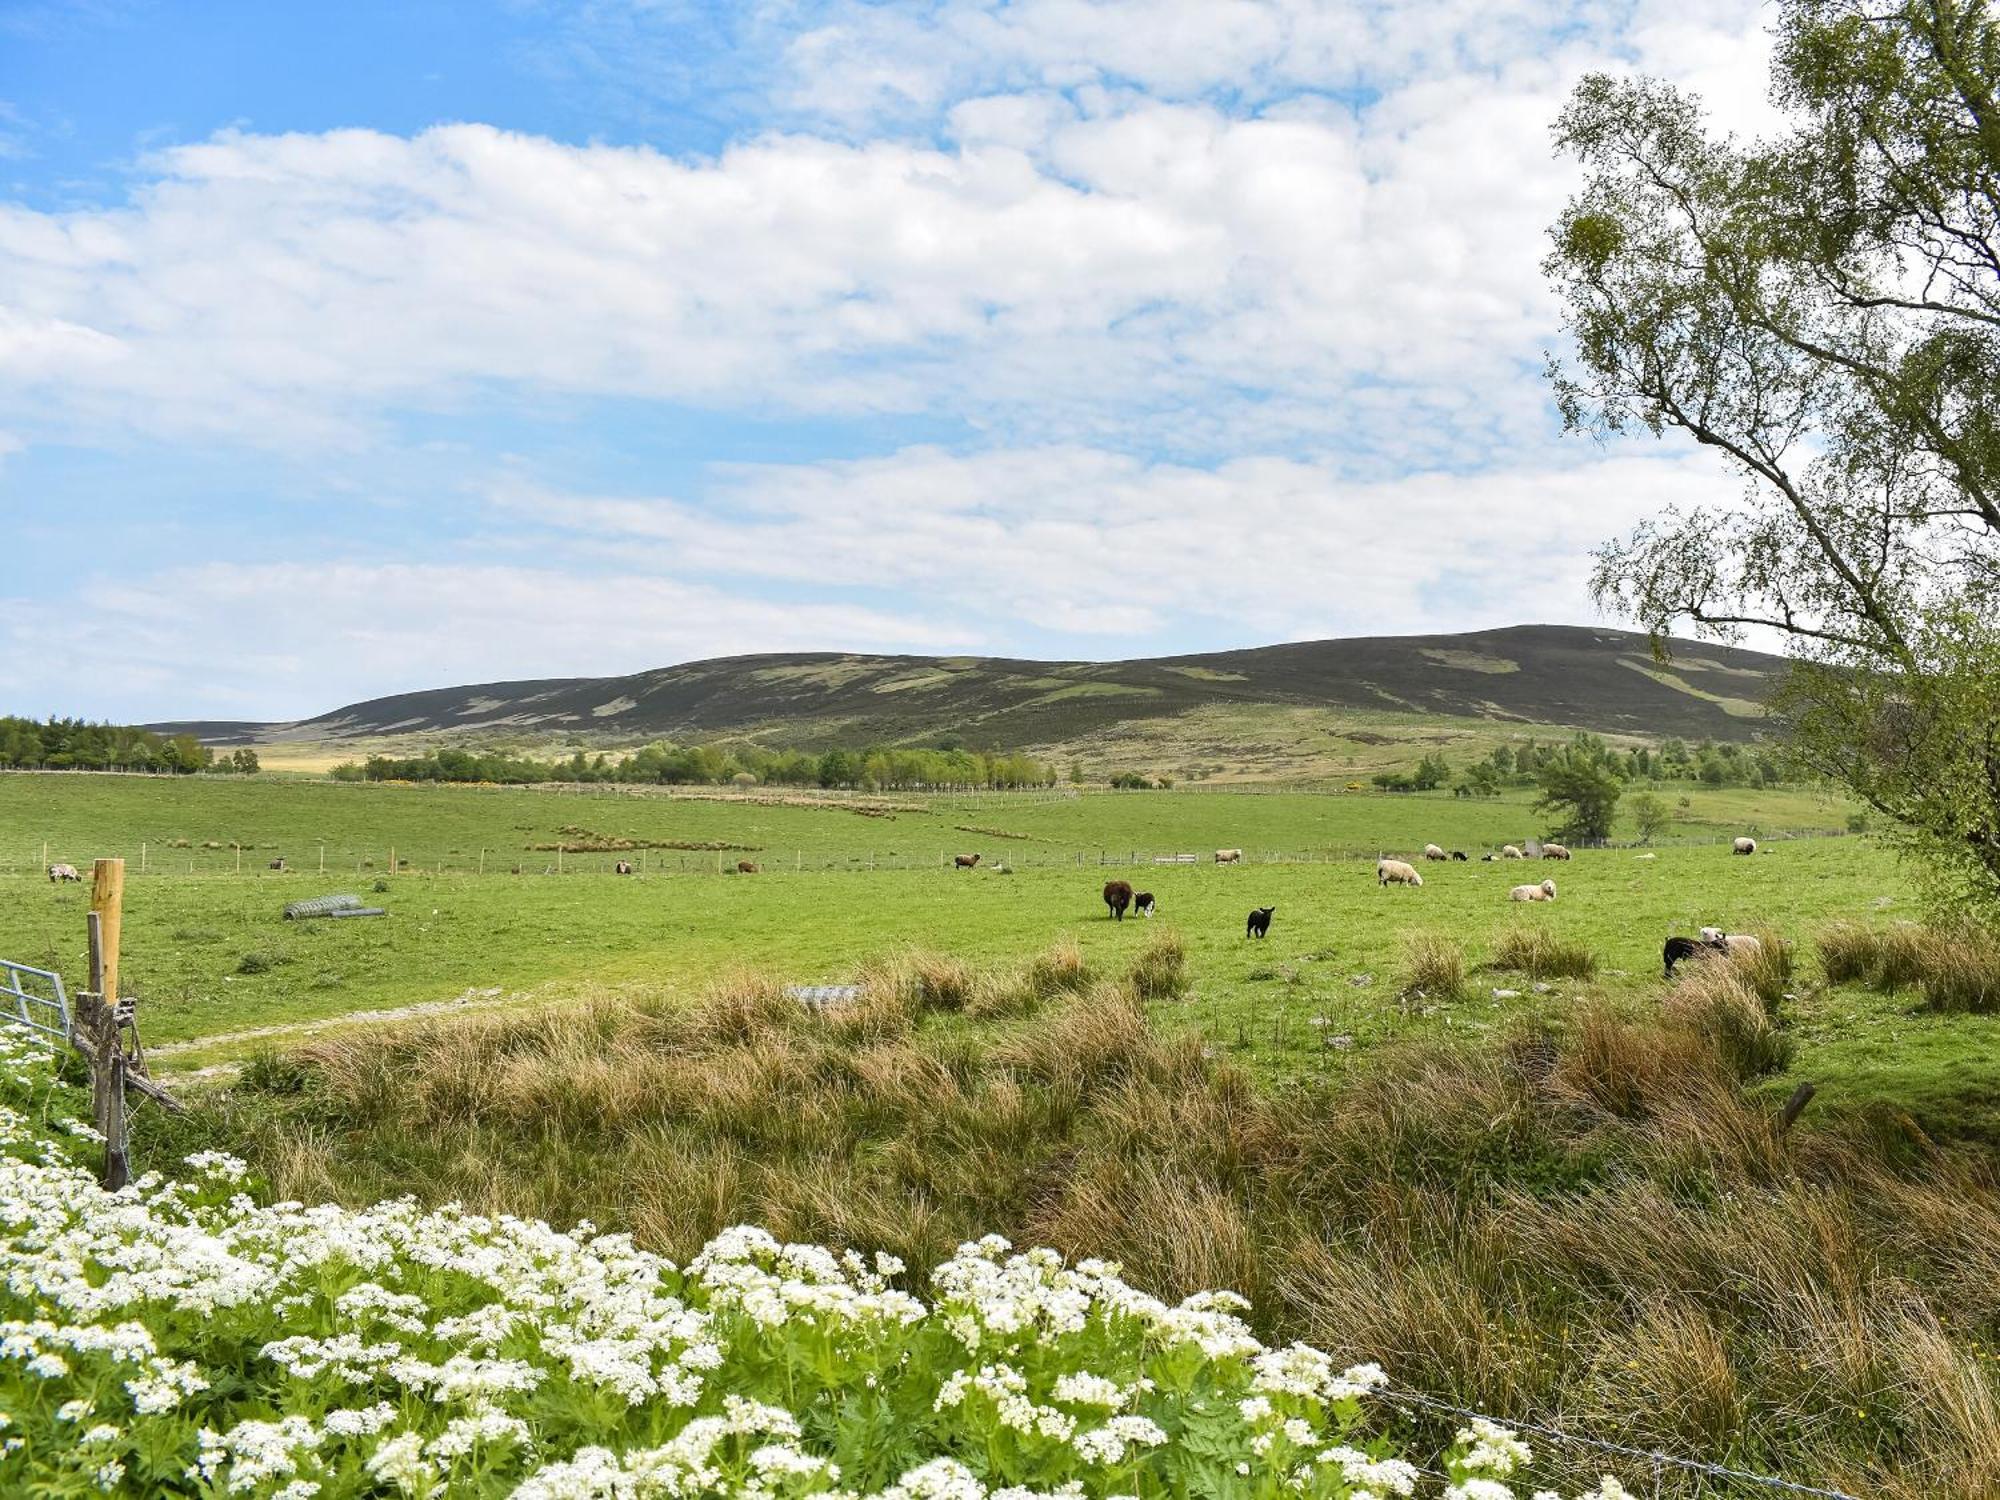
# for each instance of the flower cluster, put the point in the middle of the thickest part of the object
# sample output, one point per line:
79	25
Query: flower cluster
183	1337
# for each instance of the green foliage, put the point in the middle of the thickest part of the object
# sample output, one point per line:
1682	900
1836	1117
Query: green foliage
73	744
1581	786
1650	815
712	765
1807	307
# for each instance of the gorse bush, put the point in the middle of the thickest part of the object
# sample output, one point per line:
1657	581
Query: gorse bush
180	1339
1542	955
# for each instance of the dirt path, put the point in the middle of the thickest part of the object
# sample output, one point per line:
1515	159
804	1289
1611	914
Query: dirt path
472	999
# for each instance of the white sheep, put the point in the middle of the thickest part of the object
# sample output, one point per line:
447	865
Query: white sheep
1546	891
1744	846
1229	856
1554	851
62	872
1395	872
1431	851
1510	852
1735	944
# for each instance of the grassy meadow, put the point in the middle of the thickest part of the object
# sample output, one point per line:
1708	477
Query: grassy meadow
221	974
1482	1141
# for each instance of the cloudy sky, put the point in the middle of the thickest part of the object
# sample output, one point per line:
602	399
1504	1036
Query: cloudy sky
354	348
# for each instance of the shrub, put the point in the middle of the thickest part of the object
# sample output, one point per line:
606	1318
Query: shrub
257	962
1433	966
1542	955
1059	971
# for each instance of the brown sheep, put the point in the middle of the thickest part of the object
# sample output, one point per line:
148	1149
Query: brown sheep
964	861
746	867
623	867
1117	896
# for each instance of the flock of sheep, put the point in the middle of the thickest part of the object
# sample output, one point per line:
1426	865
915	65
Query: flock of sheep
1119	897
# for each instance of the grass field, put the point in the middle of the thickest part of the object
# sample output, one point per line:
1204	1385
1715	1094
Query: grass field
217	967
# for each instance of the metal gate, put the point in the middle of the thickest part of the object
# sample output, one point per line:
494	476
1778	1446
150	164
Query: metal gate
35	999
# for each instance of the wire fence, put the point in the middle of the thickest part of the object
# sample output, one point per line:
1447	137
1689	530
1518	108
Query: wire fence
213	857
1651	1462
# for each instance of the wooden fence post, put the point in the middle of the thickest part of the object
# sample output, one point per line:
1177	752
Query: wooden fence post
107	906
98	1012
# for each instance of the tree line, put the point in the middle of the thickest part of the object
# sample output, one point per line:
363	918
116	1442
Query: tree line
77	745
879	768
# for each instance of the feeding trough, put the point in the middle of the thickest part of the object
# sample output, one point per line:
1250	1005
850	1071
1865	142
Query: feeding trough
331	906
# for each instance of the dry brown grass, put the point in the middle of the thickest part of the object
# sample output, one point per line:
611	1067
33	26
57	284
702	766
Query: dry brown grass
1589	1220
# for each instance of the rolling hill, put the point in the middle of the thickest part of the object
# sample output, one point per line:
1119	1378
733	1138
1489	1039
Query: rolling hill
1574	676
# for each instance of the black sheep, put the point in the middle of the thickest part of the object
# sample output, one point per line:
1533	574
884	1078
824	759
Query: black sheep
1117	896
1259	923
1679	950
1142	903
1459	855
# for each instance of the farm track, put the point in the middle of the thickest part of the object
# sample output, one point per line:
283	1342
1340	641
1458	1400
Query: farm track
492	998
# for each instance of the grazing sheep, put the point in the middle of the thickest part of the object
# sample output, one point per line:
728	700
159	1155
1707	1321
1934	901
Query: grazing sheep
746	867
1744	846
1117	896
1546	891
1142	903
964	861
277	864
1459	855
1510	852
1554	851
1679	950
1229	856
1395	872
62	872
1432	851
1486	858
623	867
1735	944
1259	922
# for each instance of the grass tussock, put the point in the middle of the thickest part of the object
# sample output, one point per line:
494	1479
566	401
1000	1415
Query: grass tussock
1725	1003
1541	954
1954	968
1433	966
1160	971
1587	1217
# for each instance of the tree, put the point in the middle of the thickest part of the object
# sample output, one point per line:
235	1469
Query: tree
1431	773
1651	815
1823	311
1580	784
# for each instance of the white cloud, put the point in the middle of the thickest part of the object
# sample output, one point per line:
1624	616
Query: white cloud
289	639
1086	542
1181	274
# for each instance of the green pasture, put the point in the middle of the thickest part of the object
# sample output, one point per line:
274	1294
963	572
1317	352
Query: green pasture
187	826
210	955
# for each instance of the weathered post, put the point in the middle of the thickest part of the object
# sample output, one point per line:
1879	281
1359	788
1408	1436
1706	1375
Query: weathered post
98	1013
107	906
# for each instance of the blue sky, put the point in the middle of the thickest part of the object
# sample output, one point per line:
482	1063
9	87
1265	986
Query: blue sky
354	349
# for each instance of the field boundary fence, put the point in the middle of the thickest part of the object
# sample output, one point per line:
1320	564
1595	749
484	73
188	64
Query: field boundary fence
1656	1464
364	861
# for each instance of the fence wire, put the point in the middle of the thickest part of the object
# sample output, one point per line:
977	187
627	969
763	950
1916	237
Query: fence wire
1656	1461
